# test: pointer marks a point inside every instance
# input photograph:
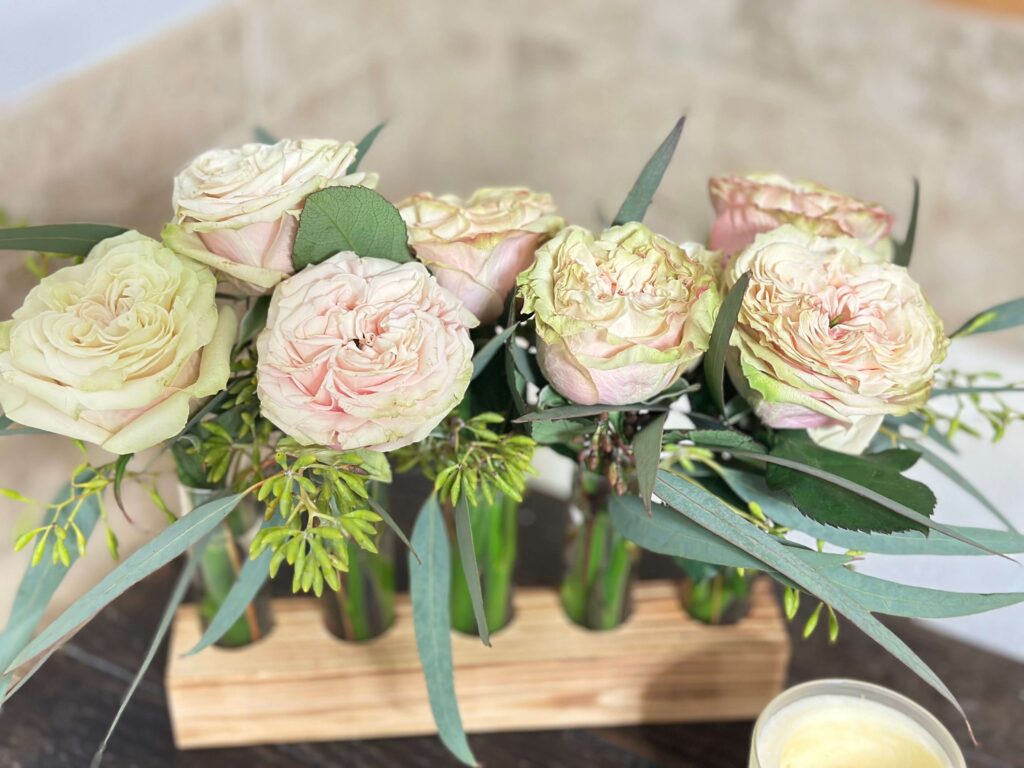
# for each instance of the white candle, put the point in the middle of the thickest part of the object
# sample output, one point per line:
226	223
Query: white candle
848	724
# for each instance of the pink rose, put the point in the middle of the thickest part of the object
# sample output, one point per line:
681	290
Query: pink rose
363	353
237	210
477	248
748	205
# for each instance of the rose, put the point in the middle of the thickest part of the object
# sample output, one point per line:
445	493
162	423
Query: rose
237	210
112	350
620	316
477	248
747	205
363	353
830	337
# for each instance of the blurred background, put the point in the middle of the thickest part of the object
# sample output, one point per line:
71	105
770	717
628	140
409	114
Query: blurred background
101	103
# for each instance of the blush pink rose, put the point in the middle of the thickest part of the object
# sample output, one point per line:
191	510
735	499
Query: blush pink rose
237	210
477	248
748	205
363	353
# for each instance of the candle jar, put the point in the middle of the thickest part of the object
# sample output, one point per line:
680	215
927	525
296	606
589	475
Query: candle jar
220	560
840	723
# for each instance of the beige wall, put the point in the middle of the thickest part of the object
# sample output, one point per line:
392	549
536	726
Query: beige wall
566	96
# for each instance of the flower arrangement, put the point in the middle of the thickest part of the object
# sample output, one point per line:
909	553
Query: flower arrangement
294	339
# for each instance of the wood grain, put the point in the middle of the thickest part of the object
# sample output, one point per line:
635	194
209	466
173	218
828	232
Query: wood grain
302	684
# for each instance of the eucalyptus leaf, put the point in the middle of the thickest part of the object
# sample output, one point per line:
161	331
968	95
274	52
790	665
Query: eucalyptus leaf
905	249
10	428
40	582
263	136
579	411
395	527
1000	317
353	219
253	321
467	555
429	587
718	346
167	545
647	453
364	146
982	390
71	239
177	595
642	193
708	511
490	349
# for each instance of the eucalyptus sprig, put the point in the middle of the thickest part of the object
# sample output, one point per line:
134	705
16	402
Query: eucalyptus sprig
323	500
467	457
974	396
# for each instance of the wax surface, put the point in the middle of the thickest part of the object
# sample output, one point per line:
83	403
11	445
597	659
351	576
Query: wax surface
833	731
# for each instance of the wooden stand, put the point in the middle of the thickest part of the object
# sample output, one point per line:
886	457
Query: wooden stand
302	684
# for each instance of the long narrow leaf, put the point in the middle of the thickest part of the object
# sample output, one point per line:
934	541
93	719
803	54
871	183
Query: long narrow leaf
170	543
467	554
718	347
752	488
251	578
1006	315
177	595
72	239
490	349
647	453
364	145
395	527
708	511
947	391
578	411
642	193
10	428
905	249
40	582
429	587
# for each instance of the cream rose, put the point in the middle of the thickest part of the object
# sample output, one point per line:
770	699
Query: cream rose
237	210
748	205
477	248
112	350
831	337
619	317
363	353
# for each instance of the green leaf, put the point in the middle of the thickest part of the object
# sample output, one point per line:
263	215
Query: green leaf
364	146
667	532
718	347
998	318
72	239
639	198
905	249
253	322
10	428
467	554
948	391
390	522
490	349
647	452
429	586
776	506
709	512
728	439
41	581
177	595
251	578
263	136
353	219
578	411
841	507
170	543
119	470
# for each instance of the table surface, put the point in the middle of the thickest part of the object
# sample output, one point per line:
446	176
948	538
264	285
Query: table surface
60	716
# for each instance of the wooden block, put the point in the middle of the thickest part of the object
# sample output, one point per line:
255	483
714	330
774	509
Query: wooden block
300	683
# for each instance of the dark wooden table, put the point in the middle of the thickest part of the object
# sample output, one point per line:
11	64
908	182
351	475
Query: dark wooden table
60	716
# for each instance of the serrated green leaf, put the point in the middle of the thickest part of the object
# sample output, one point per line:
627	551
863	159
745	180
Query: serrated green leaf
718	346
163	548
467	555
825	502
364	146
647	453
635	206
710	513
353	219
41	581
725	438
904	250
178	593
1000	317
71	239
429	587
